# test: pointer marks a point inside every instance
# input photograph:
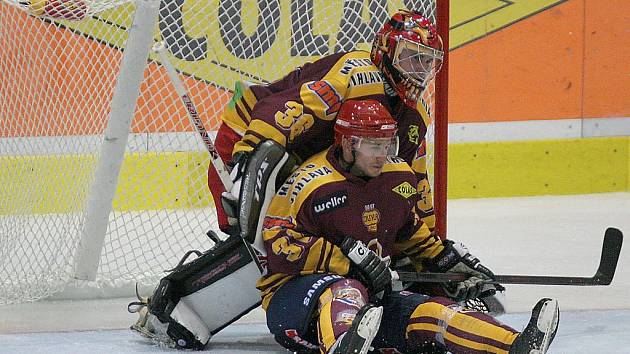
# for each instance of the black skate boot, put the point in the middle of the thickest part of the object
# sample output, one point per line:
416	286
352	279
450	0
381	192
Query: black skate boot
358	338
540	331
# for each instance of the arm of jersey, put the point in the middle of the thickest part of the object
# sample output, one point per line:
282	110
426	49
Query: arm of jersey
296	253
417	242
425	201
285	116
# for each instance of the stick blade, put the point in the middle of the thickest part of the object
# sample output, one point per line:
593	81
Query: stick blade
613	239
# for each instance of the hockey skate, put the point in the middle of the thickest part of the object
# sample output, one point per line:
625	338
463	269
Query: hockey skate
147	324
540	331
358	338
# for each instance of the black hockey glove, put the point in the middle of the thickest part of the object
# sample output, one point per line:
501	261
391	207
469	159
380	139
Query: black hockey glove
456	258
372	271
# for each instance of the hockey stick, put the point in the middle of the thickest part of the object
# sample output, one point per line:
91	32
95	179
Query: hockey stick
218	164
613	238
160	49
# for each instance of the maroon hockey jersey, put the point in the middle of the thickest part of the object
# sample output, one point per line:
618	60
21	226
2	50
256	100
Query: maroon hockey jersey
320	204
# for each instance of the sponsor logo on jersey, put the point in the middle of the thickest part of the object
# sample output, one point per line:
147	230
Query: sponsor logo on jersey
351	63
327	94
413	134
330	202
366	78
371	216
405	189
300	179
316	285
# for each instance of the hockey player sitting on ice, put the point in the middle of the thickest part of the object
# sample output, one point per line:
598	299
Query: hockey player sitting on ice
329	234
298	111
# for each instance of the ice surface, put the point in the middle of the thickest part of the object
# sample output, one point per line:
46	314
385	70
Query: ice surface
540	235
580	332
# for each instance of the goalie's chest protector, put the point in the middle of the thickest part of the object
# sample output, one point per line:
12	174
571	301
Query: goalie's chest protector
379	208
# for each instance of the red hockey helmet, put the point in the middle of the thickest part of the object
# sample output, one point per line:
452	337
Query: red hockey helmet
408	50
369	126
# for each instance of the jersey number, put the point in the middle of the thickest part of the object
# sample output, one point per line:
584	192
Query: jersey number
292	251
295	119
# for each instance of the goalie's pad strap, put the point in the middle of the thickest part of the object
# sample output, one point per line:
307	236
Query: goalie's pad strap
212	266
267	168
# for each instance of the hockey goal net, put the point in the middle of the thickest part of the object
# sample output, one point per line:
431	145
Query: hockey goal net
103	178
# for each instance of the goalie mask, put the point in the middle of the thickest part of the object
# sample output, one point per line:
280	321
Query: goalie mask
408	51
369	127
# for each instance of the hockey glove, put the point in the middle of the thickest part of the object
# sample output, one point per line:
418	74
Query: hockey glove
456	258
229	199
372	271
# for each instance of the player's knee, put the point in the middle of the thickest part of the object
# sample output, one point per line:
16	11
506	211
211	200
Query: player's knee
338	307
347	291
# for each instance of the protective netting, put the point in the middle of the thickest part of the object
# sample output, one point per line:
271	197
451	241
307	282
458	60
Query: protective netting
57	78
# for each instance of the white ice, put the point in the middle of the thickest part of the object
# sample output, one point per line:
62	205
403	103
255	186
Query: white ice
534	235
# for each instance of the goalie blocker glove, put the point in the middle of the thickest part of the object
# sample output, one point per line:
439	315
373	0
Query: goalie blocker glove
229	199
457	259
369	267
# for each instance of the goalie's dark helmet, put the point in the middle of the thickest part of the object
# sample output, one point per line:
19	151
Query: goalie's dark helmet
408	50
369	126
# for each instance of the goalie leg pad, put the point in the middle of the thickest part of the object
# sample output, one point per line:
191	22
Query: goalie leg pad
201	297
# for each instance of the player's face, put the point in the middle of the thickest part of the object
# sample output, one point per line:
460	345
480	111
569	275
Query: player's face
369	166
417	61
371	154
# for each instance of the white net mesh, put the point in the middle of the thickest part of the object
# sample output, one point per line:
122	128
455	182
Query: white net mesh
57	81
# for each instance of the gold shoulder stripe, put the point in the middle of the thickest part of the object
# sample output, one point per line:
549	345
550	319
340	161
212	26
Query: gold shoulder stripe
242	110
249	98
265	129
231	118
397	165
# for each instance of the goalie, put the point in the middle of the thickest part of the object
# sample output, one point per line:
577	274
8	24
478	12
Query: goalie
298	111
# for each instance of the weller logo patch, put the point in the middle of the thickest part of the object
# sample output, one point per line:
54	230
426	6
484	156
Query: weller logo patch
330	202
405	189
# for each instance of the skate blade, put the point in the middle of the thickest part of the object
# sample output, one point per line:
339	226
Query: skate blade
368	327
143	332
548	324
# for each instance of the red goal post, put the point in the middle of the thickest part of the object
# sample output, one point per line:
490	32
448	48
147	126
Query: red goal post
103	177
440	165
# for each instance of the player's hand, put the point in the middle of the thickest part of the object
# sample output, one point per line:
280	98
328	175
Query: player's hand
457	259
374	273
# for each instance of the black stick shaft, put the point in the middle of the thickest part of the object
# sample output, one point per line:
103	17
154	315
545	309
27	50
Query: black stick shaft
611	248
